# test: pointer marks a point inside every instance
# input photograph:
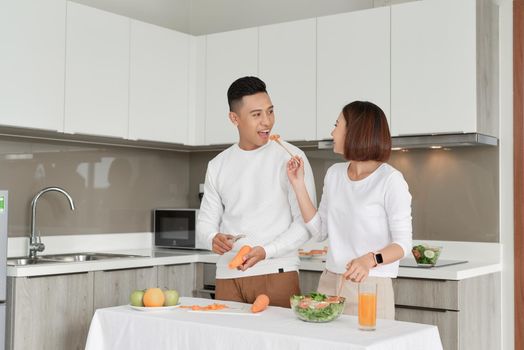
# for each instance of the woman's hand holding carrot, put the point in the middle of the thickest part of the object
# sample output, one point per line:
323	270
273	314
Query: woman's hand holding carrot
358	269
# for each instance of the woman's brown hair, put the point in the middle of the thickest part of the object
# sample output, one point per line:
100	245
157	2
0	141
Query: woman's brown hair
367	132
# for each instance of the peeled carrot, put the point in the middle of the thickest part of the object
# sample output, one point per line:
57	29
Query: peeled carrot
238	259
261	303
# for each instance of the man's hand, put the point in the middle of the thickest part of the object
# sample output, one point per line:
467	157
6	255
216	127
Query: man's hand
254	256
222	243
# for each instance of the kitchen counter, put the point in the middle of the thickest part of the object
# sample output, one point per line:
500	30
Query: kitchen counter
152	257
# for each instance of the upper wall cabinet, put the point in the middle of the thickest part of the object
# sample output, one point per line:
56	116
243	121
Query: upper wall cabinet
197	91
229	56
287	64
158	84
444	67
353	63
97	72
32	51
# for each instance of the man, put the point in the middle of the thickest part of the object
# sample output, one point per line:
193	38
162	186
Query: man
247	192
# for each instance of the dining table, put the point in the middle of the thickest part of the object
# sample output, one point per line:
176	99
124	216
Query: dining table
236	327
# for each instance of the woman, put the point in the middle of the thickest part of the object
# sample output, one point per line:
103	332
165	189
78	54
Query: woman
365	209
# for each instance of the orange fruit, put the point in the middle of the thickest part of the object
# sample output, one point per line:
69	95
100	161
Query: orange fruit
153	297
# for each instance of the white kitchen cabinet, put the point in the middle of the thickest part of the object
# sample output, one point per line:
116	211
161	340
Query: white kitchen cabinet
32	51
97	72
353	53
442	66
287	64
229	56
158	83
197	91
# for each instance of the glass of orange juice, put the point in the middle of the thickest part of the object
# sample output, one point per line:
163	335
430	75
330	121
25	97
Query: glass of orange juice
367	306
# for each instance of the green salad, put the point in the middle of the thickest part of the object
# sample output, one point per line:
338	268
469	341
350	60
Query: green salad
425	255
317	307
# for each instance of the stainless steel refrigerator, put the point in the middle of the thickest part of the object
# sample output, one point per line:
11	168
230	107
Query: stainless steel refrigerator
3	263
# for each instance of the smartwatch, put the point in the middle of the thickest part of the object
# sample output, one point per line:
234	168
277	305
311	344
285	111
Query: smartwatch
378	258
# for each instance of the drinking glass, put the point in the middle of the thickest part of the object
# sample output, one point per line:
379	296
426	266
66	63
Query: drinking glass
367	306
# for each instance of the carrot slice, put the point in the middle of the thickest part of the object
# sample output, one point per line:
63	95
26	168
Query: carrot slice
261	303
214	306
274	137
238	259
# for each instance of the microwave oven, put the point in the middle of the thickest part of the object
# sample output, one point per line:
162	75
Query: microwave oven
175	228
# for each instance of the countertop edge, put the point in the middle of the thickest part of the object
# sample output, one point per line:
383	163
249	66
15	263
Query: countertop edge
455	272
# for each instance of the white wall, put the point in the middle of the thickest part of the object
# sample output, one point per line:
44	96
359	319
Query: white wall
506	170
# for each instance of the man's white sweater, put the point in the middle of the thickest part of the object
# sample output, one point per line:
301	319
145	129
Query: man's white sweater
248	192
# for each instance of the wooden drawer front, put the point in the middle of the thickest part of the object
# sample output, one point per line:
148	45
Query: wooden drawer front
446	321
435	294
180	277
112	288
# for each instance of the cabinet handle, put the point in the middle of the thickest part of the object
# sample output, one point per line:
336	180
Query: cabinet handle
433	133
182	264
97	135
59	274
209	291
422	308
422	279
129	268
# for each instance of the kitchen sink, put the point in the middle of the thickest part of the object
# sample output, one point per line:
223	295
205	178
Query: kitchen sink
66	258
27	261
78	257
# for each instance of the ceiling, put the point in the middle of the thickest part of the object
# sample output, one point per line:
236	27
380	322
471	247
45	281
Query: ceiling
199	17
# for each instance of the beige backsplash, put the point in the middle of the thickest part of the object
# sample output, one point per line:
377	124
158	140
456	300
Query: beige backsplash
455	192
114	188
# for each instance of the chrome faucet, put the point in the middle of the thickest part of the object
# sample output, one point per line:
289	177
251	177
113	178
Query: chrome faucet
36	245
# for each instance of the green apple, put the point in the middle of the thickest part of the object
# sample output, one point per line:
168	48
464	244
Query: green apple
171	297
136	298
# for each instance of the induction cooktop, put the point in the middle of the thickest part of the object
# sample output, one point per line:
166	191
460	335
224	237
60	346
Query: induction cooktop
440	263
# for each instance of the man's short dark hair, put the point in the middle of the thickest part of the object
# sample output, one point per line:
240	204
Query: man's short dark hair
243	87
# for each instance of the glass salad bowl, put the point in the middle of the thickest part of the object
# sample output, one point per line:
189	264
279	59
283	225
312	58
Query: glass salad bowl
425	255
317	307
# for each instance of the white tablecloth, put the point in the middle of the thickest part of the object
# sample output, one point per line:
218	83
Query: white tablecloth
276	328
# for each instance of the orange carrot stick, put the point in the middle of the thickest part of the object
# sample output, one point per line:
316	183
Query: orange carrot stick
238	259
261	303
